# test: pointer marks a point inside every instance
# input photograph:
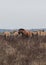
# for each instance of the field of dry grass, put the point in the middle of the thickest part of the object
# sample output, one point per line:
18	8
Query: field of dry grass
23	51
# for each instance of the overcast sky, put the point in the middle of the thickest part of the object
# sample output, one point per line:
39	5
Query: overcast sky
28	14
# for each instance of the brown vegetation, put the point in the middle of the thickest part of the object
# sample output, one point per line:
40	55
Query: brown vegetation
23	50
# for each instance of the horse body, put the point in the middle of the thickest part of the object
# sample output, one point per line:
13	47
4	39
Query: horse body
43	33
7	34
25	32
39	33
35	33
15	34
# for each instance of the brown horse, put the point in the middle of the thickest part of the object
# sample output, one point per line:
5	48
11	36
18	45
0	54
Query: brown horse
6	35
15	34
43	33
35	33
25	32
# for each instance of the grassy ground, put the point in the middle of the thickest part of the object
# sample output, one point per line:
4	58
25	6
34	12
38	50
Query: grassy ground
23	51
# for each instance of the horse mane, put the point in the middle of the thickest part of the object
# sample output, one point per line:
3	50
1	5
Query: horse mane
21	29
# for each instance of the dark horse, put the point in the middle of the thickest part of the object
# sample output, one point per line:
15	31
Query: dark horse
25	33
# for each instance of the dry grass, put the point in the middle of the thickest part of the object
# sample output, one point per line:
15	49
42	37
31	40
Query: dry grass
23	51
